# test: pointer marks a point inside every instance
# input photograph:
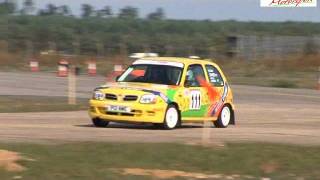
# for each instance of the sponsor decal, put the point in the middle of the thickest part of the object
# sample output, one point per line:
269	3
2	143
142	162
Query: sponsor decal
216	99
288	3
217	107
138	73
164	97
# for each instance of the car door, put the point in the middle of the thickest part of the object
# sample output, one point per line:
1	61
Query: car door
195	96
217	82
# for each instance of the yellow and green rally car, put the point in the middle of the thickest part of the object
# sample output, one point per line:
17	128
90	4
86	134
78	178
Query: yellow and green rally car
165	91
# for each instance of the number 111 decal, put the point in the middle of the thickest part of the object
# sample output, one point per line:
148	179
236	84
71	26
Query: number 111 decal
195	100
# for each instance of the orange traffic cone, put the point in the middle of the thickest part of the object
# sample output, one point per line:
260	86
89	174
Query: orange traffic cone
34	66
92	68
63	68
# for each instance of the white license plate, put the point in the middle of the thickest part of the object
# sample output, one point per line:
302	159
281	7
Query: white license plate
113	108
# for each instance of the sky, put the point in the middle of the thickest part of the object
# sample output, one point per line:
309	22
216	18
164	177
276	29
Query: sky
242	10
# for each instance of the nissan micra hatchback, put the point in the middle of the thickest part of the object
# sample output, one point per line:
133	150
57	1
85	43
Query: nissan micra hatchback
165	91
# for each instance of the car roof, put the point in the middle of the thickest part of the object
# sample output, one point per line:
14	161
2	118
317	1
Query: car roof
186	61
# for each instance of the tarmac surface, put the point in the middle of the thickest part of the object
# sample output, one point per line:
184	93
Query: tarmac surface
263	114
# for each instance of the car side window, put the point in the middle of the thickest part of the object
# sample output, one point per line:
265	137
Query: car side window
193	73
215	77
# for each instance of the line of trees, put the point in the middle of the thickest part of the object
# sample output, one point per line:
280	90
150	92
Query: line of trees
87	10
100	31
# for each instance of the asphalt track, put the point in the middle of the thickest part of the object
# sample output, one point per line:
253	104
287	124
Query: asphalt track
263	115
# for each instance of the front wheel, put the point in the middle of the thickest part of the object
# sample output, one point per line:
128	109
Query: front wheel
99	122
224	117
171	119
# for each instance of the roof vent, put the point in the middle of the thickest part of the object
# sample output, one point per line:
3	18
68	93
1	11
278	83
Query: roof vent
194	57
143	55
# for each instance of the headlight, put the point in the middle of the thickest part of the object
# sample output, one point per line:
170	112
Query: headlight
148	99
98	95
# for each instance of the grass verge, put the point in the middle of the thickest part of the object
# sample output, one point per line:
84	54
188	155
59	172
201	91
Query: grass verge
95	160
16	104
283	84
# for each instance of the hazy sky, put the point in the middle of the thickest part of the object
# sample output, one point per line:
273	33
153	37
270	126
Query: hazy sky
244	10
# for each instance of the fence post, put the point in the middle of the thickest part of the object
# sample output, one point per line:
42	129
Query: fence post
72	99
318	85
100	50
206	129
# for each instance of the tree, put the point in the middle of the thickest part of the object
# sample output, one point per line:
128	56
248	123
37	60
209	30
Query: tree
28	7
105	12
128	13
157	15
87	10
7	7
51	9
54	10
28	3
64	10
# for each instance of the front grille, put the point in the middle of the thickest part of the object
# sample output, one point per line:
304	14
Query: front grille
126	114
111	97
130	98
111	113
126	98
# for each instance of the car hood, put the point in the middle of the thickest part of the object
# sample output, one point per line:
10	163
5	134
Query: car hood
138	86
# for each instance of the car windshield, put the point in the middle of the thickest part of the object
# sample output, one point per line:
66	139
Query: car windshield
156	74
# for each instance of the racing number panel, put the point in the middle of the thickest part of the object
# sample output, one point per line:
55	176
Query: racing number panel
195	100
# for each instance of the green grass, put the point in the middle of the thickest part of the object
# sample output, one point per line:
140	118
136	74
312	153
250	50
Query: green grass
94	160
302	80
16	104
272	77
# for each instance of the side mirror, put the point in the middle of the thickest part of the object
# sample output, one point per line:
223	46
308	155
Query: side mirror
117	78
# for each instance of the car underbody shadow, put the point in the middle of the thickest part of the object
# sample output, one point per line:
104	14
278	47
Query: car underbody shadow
145	126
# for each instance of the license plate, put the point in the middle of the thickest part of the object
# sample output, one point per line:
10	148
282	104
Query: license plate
113	108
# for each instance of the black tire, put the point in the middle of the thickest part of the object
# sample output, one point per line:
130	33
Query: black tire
167	123
221	121
99	122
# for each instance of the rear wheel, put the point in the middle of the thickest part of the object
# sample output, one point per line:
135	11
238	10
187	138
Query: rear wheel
171	119
99	122
224	117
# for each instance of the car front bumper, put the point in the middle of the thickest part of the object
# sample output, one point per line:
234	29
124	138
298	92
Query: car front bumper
140	113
